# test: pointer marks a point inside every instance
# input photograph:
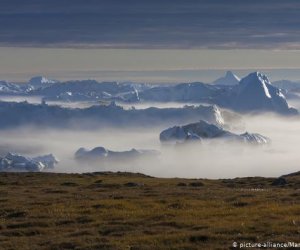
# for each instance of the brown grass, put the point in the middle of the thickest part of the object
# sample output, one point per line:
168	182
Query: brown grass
133	211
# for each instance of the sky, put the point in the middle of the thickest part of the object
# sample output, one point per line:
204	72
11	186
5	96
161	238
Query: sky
102	38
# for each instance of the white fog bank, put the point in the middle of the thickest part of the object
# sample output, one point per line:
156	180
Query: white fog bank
209	160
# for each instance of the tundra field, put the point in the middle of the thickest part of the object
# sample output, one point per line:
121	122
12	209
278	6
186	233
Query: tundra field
108	210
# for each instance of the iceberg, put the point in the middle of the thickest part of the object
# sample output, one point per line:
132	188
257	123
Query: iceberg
15	162
202	131
101	153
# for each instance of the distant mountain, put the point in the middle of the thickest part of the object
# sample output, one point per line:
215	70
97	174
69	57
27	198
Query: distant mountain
202	131
228	79
256	93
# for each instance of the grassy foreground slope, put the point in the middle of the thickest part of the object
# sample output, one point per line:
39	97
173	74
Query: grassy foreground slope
133	211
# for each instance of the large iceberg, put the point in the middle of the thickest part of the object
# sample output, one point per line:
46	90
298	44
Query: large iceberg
228	79
16	162
19	114
202	130
101	153
256	93
41	82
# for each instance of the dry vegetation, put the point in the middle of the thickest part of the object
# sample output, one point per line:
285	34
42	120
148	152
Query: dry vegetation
133	211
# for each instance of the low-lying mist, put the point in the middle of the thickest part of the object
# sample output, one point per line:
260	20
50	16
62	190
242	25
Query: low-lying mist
211	159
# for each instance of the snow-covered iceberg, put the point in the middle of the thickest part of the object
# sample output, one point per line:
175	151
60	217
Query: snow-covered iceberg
101	153
7	88
41	82
229	79
202	130
19	114
90	90
256	93
184	92
16	162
